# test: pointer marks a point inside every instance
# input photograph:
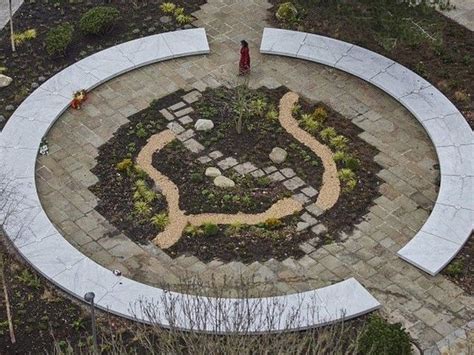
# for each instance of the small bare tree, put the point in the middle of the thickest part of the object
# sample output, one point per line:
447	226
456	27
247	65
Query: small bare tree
12	33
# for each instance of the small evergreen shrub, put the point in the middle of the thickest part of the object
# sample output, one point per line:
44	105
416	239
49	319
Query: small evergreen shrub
209	229
167	7
58	39
99	20
124	165
381	337
287	12
160	220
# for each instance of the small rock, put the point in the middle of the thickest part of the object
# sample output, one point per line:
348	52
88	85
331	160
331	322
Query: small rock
203	125
278	155
152	29
212	172
136	31
188	27
34	85
222	181
5	80
41	79
9	108
165	19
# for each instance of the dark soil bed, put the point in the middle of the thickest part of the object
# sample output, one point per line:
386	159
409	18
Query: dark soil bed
432	45
31	64
272	239
461	269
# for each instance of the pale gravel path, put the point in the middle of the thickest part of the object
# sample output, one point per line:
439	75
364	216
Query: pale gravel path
177	219
330	187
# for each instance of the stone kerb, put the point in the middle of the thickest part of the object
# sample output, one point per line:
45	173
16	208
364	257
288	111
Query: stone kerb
451	221
40	243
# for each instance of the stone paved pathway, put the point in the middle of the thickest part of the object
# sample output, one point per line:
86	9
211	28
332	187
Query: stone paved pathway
431	308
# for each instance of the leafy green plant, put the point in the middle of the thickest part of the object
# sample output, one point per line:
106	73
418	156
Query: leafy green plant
140	130
197	177
348	178
296	110
381	337
143	192
160	220
351	163
4	327
272	114
78	324
338	142
167	7
124	165
24	36
287	12
58	39
99	20
184	19
339	156
309	124
29	279
141	208
320	114
327	134
178	11
455	268
209	229
272	223
258	106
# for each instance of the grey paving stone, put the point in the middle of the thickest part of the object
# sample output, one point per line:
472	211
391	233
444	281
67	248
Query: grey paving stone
177	106
185	111
288	172
301	198
167	114
257	173
185	120
294	183
192	96
186	135
245	168
215	154
175	127
306	217
227	163
309	191
314	210
319	229
276	176
270	169
193	145
204	159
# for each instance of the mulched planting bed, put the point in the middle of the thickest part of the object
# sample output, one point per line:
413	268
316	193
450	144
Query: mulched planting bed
261	132
461	268
30	65
422	39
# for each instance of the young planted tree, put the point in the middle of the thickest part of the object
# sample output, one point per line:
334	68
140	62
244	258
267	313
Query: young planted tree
12	33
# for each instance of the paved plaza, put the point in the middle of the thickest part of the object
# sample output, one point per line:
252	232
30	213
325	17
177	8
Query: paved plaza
433	309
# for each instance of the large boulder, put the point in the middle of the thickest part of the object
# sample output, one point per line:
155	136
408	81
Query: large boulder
5	80
203	125
212	172
222	181
278	155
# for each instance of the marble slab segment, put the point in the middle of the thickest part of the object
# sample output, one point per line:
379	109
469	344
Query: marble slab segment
187	42
451	221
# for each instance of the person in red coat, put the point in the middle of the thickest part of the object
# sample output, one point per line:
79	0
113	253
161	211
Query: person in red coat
244	64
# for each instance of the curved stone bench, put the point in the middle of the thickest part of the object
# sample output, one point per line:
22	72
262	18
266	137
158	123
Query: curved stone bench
451	221
43	246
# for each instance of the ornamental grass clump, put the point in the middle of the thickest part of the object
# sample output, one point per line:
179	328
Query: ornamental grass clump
287	12
167	7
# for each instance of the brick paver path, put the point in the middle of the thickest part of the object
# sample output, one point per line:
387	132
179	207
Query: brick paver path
431	308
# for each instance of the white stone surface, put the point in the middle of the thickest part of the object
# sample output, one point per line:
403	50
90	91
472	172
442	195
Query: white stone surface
451	222
428	252
187	42
147	50
203	125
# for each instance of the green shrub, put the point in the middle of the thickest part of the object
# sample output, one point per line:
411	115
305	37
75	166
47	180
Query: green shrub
99	20
209	229
455	268
141	209
143	192
309	124
287	12
296	110
327	134
338	142
160	220
58	39
381	337
272	114
124	165
167	7
348	178
197	177
339	156
178	11
320	114
184	19
272	223
258	107
351	163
